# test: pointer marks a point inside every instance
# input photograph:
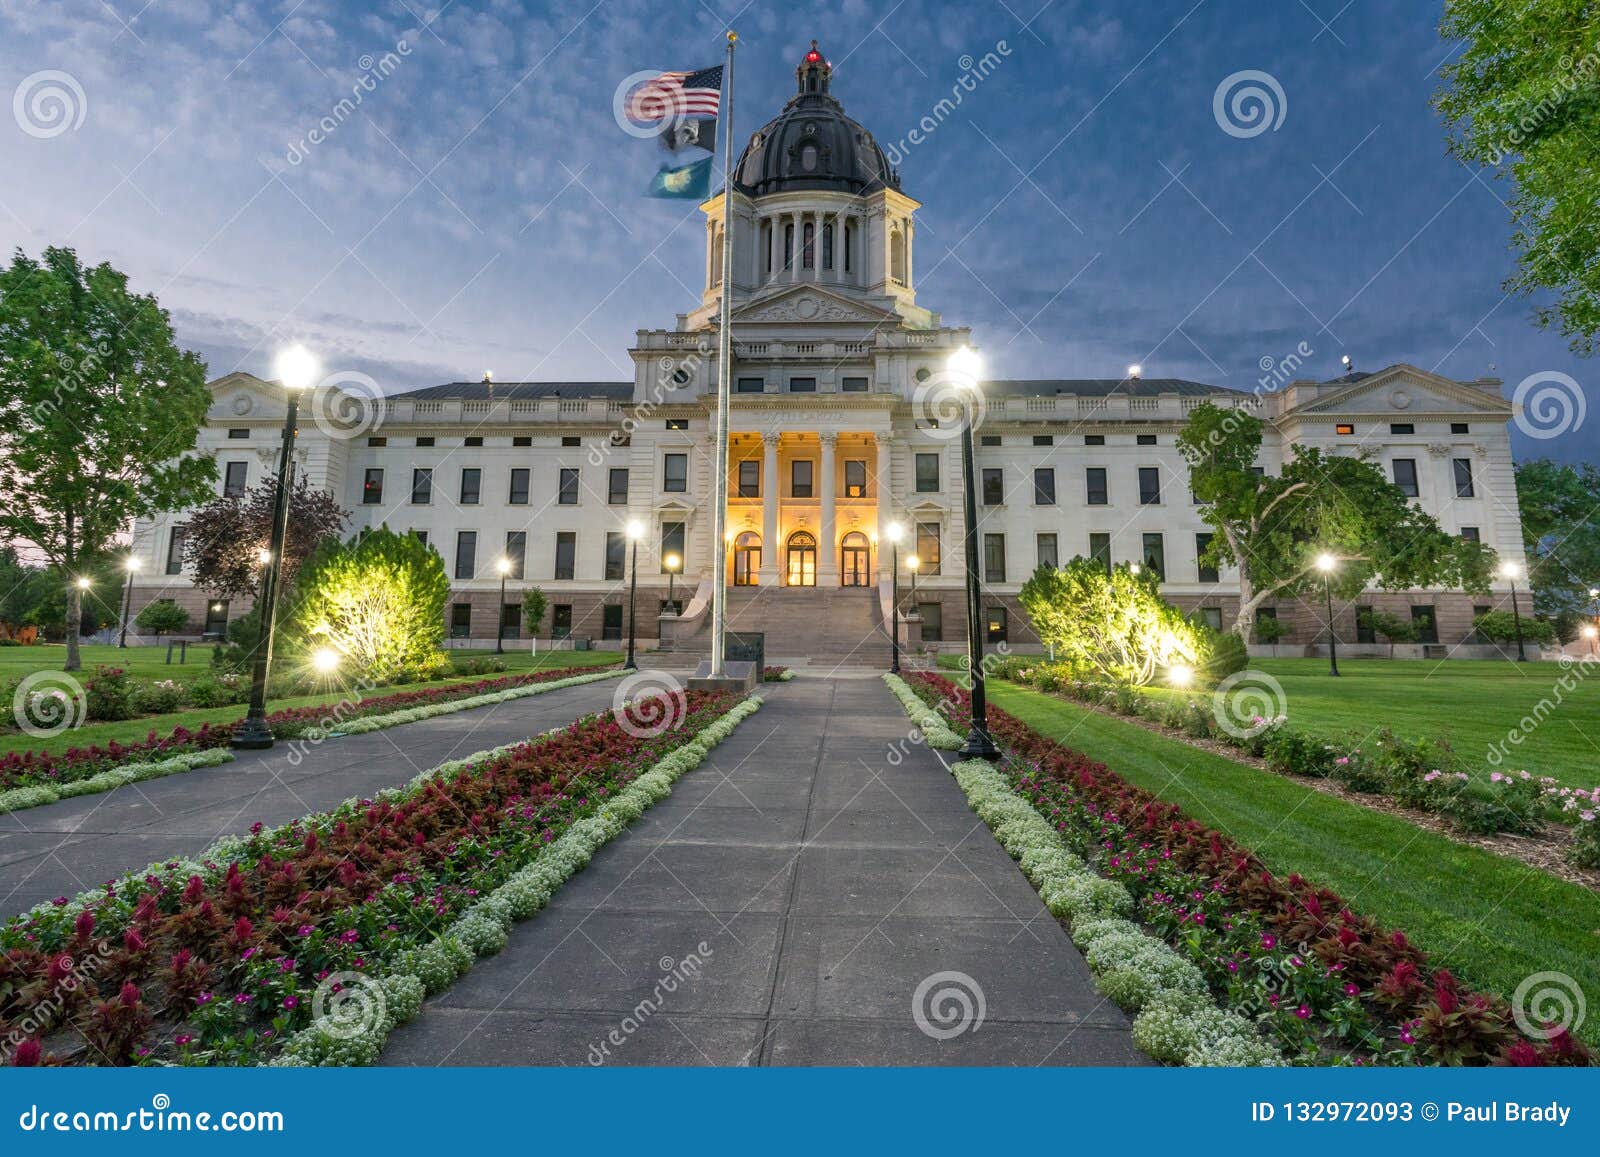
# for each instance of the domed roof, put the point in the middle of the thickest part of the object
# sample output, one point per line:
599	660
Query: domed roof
811	144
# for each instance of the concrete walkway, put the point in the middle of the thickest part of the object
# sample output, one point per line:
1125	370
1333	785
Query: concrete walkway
783	907
67	847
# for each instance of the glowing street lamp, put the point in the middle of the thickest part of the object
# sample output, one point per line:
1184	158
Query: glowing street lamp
635	533
1327	564
129	564
895	532
674	564
1511	572
965	365
1134	372
297	370
1590	632
503	565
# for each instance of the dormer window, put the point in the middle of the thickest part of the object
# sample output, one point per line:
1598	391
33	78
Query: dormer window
808	157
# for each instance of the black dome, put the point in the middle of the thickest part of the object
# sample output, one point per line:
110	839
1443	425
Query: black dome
811	144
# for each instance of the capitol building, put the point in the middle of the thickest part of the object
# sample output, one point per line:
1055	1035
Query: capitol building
844	422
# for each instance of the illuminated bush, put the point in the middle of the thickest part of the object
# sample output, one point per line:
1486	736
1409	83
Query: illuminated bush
1111	626
377	601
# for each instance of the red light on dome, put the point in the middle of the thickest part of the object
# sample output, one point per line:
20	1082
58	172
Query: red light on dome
813	56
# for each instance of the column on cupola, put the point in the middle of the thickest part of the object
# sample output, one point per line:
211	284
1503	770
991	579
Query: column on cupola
828	547
885	503
796	224
770	489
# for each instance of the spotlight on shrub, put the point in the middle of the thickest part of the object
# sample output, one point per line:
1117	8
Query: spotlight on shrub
1180	676
325	660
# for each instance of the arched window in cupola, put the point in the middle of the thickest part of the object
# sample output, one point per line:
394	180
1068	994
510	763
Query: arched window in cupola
897	255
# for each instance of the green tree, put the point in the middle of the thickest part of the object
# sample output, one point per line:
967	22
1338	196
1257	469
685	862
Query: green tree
225	537
162	618
1269	629
1560	533
378	600
534	604
99	412
1273	529
1393	628
1522	100
1501	627
99	604
1110	626
21	588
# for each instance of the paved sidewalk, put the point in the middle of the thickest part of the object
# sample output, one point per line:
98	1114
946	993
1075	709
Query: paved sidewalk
825	883
67	847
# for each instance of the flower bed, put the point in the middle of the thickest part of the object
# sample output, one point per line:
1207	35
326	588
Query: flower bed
235	957
1324	981
32	769
776	674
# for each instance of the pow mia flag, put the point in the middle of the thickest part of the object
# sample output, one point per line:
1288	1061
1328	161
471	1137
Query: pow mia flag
690	132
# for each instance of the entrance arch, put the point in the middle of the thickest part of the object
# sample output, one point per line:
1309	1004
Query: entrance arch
855	560
746	559
800	565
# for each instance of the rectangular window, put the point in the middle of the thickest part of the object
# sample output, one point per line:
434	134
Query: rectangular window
1470	534
561	621
1094	439
1202	543
675	473
1100	550
1463	475
990	440
175	549
1146	439
466	553
751	386
472	440
1344	428
801	471
853	385
855	478
425	440
802	385
1211	617
928	547
1477	636
611	621
617	486
994	558
422	486
377	440
520	477
566	554
421	536
672	540
616	555
1460	428
1427	624
567	494
1149	486
1405	476
1095	481
571	440
932	622
994	625
471	485
1044	486
233	481
511	621
927	473
1044	439
372	487
994	486
1364	631
1045	550
750	478
1402	428
516	554
238	432
677	423
522	440
1155	555
216	624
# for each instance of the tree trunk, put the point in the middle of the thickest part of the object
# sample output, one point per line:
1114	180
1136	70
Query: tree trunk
1244	626
74	625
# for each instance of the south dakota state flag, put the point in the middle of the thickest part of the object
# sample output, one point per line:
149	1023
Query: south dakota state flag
690	182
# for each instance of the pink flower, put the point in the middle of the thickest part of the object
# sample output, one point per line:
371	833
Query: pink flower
1303	1012
291	1002
1268	941
1352	990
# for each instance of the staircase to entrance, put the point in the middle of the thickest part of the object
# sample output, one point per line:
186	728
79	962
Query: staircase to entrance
804	626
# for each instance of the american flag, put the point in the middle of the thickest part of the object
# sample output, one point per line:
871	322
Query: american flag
675	95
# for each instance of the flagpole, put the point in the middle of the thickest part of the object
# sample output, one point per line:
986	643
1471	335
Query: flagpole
719	591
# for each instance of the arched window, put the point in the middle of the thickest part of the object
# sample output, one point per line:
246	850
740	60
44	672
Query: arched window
849	243
746	559
897	256
827	247
766	243
855	560
808	257
788	246
716	258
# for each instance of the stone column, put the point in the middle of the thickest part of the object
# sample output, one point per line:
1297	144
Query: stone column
827	544
770	490
880	482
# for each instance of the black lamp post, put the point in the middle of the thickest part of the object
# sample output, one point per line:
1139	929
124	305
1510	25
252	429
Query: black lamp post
1326	563
131	564
1509	572
895	531
964	364
297	369
504	567
635	533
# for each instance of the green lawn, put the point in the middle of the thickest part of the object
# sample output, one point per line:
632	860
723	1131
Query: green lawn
1493	921
144	662
135	730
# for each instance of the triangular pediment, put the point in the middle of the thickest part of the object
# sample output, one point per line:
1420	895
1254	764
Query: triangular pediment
800	304
243	397
1404	389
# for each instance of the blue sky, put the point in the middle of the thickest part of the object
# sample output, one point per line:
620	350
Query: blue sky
1083	207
